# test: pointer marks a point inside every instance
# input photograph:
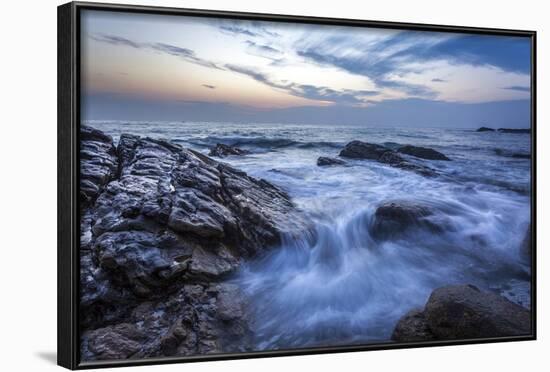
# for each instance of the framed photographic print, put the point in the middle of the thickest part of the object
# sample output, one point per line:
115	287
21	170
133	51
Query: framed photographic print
236	185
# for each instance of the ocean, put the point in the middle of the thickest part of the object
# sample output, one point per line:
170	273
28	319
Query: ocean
343	287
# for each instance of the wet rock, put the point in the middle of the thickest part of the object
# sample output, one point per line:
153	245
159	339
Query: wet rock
326	161
517	131
98	163
391	158
164	230
121	341
221	150
463	312
412	327
394	219
485	129
363	150
416	168
422	152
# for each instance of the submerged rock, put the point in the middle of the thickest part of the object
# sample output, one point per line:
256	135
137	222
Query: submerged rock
324	161
508	154
422	152
485	129
171	218
364	150
463	312
396	218
221	150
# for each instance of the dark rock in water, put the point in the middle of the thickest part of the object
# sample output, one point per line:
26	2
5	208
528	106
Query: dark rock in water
324	161
363	150
221	150
463	312
417	168
394	219
521	156
526	247
516	155
518	131
422	152
413	326
391	158
485	129
164	231
98	163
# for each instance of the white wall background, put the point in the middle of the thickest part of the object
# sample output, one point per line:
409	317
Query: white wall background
28	185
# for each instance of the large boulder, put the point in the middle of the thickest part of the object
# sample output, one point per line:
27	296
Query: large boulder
463	312
323	161
394	219
422	152
158	241
221	150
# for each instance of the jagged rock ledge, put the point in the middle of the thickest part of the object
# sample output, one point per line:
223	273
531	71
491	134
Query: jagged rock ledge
162	226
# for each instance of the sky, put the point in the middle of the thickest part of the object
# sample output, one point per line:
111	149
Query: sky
161	67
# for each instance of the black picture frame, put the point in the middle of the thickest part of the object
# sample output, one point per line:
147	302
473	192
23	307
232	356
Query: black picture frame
68	178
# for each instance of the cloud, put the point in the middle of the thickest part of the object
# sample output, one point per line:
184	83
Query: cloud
381	72
312	92
238	30
252	29
263	48
183	53
209	86
386	59
173	50
116	40
438	80
518	88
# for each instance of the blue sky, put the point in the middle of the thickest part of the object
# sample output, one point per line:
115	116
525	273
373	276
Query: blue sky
152	67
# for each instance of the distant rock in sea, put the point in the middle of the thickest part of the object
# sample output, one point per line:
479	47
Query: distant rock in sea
221	150
382	154
422	152
518	131
463	312
326	161
485	129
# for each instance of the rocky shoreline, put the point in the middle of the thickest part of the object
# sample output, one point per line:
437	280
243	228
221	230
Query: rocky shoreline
163	227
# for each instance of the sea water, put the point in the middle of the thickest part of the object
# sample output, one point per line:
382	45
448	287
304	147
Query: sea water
339	286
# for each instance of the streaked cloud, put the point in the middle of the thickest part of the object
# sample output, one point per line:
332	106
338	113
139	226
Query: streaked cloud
518	88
